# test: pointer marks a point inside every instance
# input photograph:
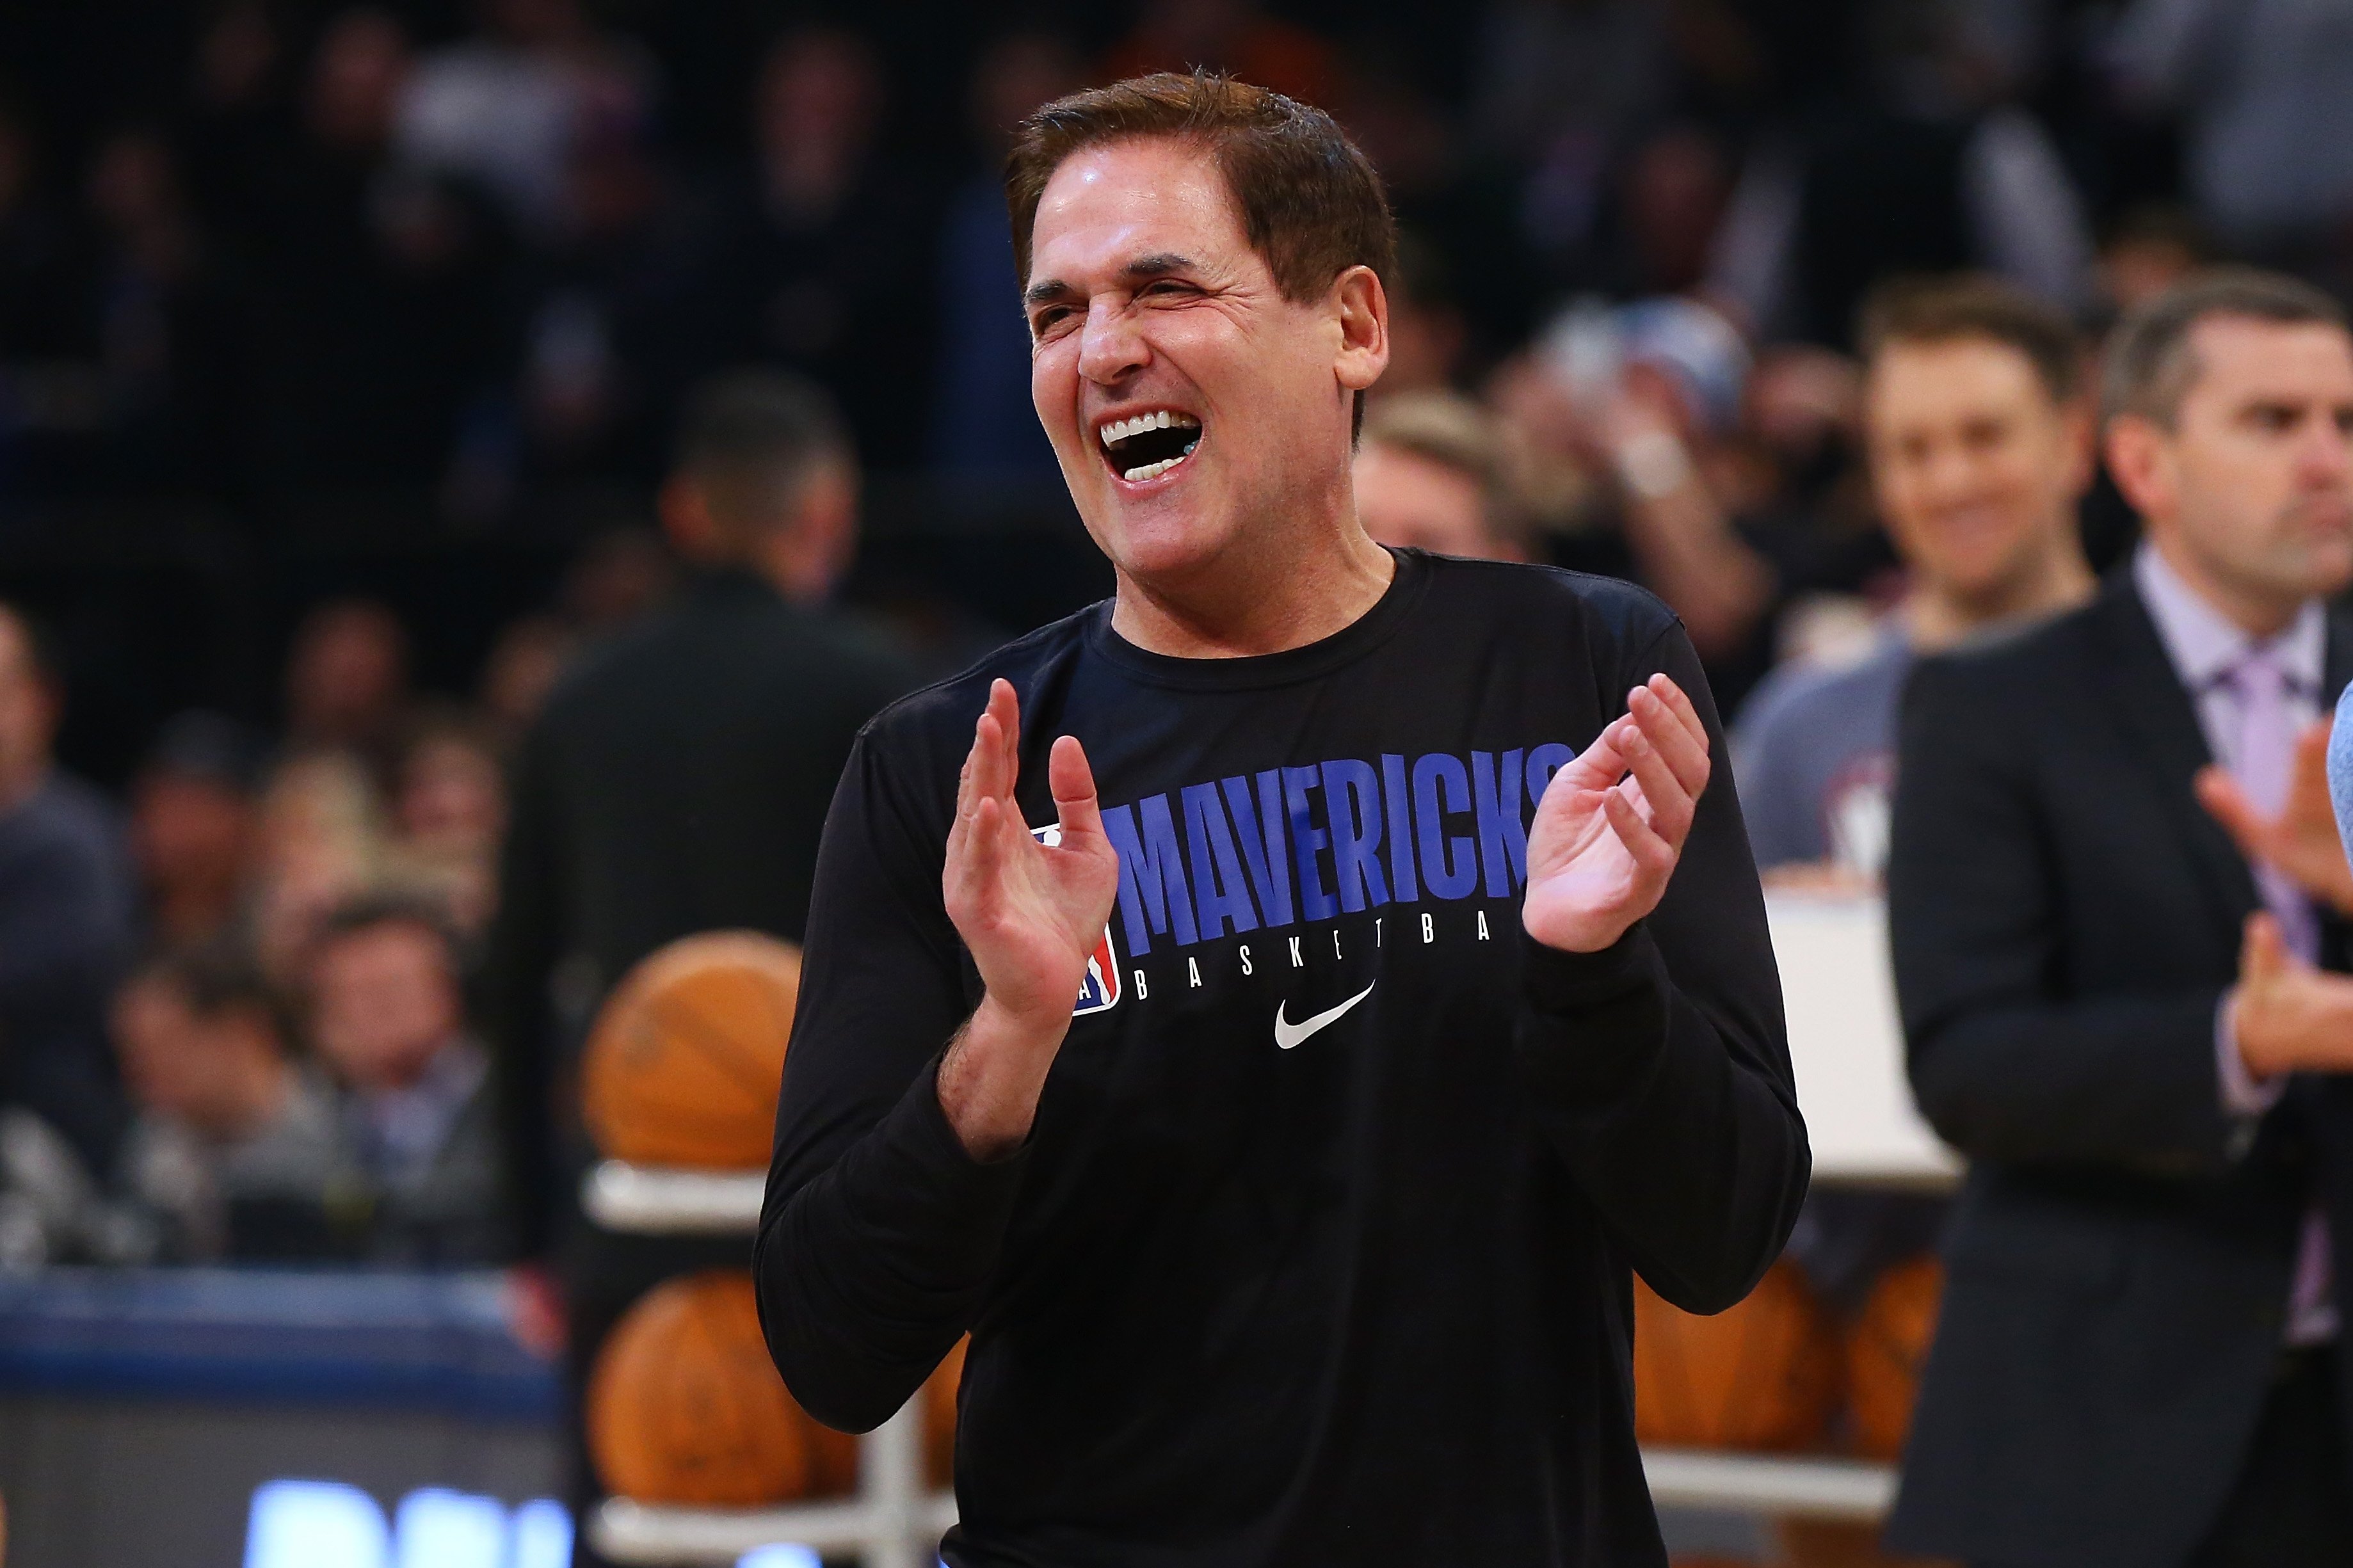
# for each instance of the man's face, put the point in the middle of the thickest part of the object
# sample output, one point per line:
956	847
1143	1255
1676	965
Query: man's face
2255	481
1976	469
28	706
1406	499
1147	305
385	1003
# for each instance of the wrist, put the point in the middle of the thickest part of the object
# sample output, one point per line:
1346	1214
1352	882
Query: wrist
992	1075
2250	1041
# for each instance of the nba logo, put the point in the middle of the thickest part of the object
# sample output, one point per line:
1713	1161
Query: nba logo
1100	991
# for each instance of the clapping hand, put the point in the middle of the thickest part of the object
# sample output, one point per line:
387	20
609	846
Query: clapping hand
1029	913
1612	823
2301	842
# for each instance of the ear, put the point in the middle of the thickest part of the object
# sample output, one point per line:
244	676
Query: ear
1363	309
2075	420
2141	460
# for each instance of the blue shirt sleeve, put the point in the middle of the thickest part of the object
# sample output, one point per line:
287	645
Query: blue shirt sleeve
2340	767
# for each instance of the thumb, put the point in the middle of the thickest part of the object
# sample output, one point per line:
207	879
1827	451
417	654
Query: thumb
2263	955
1072	781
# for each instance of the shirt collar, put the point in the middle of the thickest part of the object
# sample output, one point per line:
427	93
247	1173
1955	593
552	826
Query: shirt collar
2206	645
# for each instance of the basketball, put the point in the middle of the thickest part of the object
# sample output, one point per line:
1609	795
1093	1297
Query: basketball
1885	1351
1762	1375
684	1407
682	1065
940	1417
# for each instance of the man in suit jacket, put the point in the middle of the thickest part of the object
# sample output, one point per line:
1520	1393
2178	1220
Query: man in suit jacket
2134	1029
677	782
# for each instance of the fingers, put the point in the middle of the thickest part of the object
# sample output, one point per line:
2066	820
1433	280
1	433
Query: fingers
1679	703
1682	745
1601	764
996	742
2224	801
1074	785
1652	853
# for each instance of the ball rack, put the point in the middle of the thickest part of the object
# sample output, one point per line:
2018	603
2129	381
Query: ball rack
894	1522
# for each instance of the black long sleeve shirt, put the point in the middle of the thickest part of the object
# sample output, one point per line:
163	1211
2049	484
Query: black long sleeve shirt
1318	1251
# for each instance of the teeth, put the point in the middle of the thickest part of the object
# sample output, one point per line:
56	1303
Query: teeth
1152	470
1135	425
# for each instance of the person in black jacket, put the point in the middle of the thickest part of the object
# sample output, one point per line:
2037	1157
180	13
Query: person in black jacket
675	782
1193	1012
2114	944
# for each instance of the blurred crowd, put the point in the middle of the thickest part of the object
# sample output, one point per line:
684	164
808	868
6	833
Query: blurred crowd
275	257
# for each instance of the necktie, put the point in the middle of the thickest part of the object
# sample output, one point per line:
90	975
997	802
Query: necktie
2265	768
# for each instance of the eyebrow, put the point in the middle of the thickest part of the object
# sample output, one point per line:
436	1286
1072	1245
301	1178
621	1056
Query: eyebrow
1159	264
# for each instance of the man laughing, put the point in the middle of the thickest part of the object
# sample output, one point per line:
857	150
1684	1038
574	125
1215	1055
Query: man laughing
1273	1011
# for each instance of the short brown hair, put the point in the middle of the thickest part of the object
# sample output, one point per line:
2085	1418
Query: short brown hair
1972	307
1311	204
2151	363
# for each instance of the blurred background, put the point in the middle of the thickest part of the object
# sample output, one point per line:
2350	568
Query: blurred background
342	350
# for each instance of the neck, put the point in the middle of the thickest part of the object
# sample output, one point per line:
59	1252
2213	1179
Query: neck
1265	604
1936	615
2260	613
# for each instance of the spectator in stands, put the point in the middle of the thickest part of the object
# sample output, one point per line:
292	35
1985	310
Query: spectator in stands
2138	1038
195	824
235	1149
68	904
982	429
388	1017
1920	164
1432	472
1643	403
388	321
677	782
2265	90
823	262
347	682
323	841
505	109
448	810
519	670
1981	449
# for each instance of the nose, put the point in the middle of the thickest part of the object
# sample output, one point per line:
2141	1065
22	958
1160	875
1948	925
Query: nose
1110	345
2326	455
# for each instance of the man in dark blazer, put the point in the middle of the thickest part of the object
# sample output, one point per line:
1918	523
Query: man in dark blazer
2130	1016
677	782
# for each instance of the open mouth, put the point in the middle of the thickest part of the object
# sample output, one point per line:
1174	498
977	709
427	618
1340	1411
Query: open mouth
1146	445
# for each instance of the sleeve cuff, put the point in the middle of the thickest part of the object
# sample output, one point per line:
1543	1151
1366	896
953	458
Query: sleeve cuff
2244	1094
1595	1026
1557	981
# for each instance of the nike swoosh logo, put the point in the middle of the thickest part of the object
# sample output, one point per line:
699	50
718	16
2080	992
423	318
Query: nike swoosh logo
1288	1034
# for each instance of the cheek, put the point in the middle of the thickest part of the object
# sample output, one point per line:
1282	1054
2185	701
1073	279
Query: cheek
1054	389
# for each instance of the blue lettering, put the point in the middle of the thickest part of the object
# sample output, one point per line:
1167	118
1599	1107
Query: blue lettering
1306	838
1401	812
1448	866
1151	875
1218	883
1351	798
1542	763
1264	848
1503	838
